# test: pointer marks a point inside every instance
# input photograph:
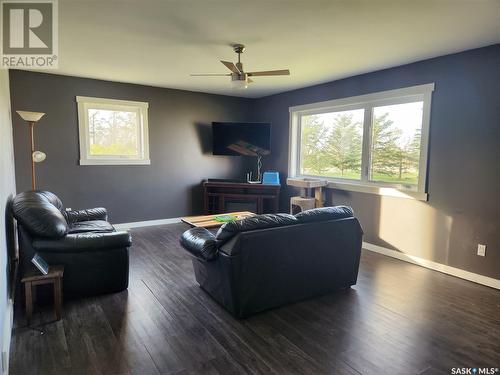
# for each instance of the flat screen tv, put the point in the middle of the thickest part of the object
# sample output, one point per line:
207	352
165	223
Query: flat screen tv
241	138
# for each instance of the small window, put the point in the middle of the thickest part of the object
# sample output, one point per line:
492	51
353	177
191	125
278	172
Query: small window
113	132
375	143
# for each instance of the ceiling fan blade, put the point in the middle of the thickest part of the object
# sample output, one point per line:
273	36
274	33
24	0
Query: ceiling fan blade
284	72
231	66
210	75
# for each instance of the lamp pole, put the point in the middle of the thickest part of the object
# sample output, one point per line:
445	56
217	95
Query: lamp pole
32	144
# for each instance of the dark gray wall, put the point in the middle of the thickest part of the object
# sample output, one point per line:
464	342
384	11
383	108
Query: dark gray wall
464	179
179	140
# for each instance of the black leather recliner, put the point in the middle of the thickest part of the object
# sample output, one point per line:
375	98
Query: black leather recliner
94	255
267	261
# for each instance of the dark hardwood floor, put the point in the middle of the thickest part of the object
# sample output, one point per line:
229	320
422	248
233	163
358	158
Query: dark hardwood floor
398	319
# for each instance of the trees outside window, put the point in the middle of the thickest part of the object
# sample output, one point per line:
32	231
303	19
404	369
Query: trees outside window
331	144
113	132
396	135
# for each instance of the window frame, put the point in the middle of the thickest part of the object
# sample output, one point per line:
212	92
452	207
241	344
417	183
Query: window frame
367	102
141	108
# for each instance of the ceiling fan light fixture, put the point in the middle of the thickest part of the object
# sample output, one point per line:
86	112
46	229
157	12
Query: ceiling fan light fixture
239	83
239	78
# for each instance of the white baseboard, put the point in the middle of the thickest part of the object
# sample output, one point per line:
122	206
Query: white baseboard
7	332
470	276
147	223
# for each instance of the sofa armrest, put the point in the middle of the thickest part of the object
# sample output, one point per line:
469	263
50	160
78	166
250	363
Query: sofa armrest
200	243
84	242
98	213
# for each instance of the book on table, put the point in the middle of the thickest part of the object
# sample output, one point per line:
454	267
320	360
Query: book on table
40	263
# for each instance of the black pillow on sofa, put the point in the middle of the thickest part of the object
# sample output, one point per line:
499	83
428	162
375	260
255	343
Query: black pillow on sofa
229	230
39	212
324	213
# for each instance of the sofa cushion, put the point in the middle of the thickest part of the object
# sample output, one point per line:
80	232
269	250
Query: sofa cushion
90	226
229	230
324	213
40	213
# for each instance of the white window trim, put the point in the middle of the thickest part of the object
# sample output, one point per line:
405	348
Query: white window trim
367	102
84	103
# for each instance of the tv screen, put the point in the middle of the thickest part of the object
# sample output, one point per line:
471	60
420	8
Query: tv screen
241	138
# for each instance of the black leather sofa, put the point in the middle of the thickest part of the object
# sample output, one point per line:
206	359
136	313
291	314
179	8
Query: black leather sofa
94	255
267	261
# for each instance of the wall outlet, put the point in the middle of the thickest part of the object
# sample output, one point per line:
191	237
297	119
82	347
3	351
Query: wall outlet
481	250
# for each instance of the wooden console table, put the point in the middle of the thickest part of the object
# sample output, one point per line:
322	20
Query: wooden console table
218	193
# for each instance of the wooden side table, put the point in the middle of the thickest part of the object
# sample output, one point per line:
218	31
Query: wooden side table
33	278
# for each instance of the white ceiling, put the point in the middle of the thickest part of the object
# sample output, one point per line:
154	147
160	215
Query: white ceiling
159	43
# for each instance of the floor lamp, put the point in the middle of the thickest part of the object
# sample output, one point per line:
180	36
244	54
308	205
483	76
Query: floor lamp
36	156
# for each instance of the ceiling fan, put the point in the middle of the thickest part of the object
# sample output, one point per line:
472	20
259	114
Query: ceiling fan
240	78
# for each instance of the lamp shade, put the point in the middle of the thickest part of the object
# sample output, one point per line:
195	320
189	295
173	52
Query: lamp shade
30	116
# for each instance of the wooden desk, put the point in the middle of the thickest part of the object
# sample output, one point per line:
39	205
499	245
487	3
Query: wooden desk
33	278
218	193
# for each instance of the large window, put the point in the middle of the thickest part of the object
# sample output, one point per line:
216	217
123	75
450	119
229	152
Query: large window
375	143
113	131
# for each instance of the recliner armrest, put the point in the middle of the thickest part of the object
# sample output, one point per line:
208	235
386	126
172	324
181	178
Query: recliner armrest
80	242
200	242
98	213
